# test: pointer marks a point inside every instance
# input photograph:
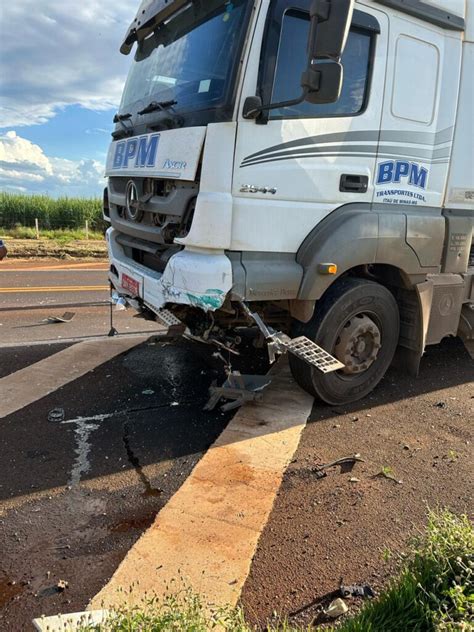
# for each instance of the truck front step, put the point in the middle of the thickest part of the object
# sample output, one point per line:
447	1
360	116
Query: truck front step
310	352
168	319
302	347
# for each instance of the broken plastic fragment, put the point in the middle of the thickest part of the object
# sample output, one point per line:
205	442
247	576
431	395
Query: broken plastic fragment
65	318
121	305
337	608
56	415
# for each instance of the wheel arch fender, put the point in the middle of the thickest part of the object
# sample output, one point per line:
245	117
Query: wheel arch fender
357	235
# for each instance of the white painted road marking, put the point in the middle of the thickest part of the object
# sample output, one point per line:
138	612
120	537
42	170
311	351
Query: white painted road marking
209	530
34	382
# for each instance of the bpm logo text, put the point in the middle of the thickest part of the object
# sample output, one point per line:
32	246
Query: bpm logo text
136	152
402	171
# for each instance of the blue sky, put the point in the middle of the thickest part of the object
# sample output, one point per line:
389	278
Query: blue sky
61	79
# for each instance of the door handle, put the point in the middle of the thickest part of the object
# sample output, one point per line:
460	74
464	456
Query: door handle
351	183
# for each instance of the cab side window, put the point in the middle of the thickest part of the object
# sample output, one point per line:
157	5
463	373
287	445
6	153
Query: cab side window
292	57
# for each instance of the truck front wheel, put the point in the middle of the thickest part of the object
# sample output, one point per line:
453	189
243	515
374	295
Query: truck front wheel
358	322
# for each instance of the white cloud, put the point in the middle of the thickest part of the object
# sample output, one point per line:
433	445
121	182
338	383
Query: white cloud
58	53
25	167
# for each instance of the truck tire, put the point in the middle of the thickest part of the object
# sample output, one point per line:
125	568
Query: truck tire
359	323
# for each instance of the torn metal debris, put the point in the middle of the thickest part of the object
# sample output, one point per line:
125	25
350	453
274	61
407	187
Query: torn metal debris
345	461
302	347
357	590
239	389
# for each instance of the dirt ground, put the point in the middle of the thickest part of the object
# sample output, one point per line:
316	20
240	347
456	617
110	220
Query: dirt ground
322	530
41	248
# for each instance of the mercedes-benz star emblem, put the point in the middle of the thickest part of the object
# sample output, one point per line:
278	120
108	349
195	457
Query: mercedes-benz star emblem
132	202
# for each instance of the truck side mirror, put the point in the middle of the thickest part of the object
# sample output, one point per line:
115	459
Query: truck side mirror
330	23
322	82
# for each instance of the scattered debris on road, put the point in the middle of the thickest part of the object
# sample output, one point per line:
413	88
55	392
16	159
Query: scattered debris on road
347	463
345	460
65	318
239	389
337	608
62	585
56	415
357	590
387	472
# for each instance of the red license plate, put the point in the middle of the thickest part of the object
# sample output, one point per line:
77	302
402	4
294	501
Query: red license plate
130	285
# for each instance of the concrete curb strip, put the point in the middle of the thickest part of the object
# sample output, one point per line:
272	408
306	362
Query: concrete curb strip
70	622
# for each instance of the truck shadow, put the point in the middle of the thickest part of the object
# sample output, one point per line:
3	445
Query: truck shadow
443	366
144	411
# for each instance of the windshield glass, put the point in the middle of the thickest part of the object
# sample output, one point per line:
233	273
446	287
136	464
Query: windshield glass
190	59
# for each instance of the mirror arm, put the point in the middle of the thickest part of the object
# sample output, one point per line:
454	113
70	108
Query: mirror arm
253	113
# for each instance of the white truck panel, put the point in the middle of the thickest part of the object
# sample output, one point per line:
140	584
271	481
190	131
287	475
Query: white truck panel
307	188
197	279
168	154
460	189
212	223
420	105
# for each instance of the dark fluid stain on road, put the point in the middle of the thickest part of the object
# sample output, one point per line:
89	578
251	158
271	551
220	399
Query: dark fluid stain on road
137	522
8	590
149	491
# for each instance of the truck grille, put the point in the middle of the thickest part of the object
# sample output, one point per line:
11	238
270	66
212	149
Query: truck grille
152	209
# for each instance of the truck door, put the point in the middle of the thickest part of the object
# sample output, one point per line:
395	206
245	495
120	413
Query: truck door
419	113
302	162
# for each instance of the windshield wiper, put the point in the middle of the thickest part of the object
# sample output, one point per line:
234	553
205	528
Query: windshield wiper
157	105
122	117
125	131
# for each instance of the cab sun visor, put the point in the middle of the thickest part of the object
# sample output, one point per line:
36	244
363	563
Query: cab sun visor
150	13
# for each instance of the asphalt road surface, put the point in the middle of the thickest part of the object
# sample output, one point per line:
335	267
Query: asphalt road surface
32	291
44	282
75	494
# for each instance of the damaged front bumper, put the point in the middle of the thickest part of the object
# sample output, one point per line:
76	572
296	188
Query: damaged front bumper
197	279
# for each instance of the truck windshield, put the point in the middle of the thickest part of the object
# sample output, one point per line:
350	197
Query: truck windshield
190	59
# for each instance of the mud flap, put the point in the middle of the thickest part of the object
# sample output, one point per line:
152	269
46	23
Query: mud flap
415	311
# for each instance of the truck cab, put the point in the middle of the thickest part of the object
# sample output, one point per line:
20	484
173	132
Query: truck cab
308	162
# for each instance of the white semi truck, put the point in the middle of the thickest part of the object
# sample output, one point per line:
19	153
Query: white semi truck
305	165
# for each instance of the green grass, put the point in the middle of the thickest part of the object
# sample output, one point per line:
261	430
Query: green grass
61	235
434	592
18	210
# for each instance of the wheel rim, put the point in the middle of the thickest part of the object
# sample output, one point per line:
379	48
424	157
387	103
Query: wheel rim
358	344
